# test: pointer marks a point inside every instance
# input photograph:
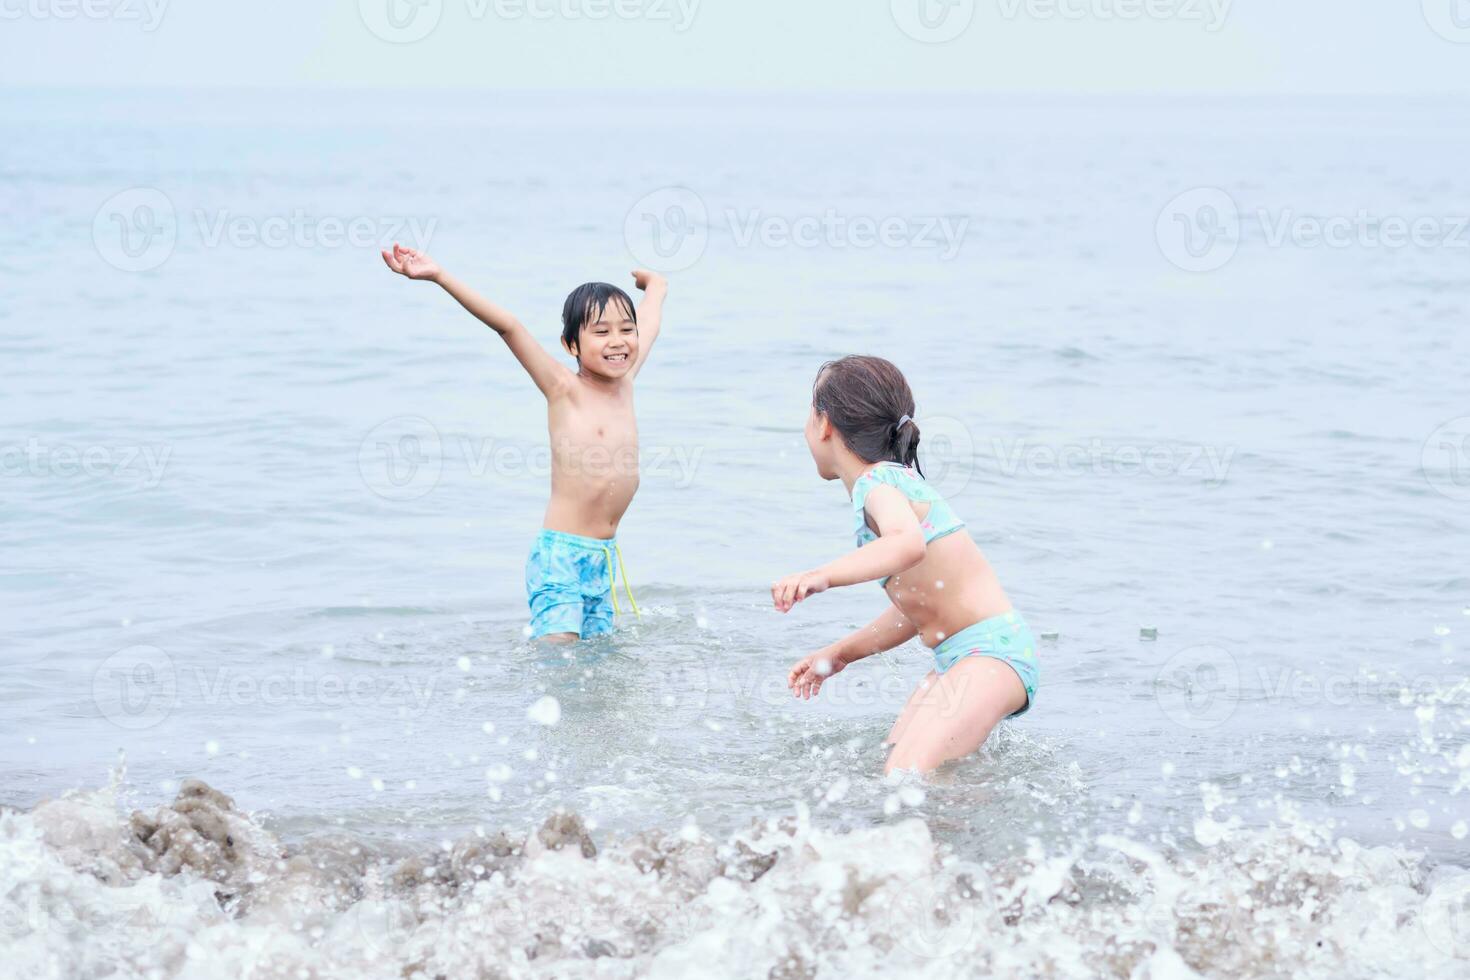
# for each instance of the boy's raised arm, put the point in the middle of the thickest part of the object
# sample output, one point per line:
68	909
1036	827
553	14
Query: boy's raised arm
650	312
549	376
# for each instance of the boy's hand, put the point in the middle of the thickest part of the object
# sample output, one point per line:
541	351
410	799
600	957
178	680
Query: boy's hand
648	280
806	678
411	262
794	588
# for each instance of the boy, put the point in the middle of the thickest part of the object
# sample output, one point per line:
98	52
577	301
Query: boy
594	438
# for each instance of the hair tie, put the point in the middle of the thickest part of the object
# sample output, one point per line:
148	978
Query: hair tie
905	421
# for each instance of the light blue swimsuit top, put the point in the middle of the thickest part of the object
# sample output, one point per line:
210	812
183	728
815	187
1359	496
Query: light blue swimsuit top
940	520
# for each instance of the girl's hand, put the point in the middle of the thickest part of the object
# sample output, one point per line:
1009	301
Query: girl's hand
794	588
806	678
647	280
411	262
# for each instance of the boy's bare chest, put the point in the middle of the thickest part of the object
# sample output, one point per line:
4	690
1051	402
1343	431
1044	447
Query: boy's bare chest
607	425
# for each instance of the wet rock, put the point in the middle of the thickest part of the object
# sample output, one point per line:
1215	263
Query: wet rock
201	832
598	948
566	829
476	858
745	863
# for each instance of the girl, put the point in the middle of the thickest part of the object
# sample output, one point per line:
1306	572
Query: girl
861	431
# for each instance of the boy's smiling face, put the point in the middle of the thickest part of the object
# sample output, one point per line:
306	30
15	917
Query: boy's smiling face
607	344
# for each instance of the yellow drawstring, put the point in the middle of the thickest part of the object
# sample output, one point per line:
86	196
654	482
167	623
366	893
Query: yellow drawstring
613	586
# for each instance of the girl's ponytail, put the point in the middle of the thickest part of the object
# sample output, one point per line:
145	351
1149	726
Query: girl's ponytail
906	443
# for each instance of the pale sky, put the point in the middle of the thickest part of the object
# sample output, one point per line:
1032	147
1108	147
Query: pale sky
1111	46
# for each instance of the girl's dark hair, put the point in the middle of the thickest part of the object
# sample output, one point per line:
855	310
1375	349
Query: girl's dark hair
586	304
868	401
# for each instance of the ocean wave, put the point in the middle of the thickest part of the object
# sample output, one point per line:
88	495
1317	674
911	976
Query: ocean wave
198	888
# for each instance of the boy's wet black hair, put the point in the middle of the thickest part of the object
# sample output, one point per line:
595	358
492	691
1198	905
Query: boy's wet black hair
868	401
586	304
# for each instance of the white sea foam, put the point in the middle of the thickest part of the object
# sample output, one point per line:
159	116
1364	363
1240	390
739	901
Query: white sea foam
198	889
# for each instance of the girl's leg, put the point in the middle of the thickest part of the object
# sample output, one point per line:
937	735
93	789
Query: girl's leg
957	713
910	709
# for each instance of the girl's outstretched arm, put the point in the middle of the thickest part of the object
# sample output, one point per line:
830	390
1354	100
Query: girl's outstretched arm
900	546
884	633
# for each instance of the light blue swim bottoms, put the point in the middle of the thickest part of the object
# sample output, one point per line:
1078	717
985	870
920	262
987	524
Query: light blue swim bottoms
1007	638
569	584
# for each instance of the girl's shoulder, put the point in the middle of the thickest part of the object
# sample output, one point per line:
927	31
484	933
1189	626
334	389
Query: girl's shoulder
902	478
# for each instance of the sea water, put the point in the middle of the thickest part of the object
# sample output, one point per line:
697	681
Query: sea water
1192	370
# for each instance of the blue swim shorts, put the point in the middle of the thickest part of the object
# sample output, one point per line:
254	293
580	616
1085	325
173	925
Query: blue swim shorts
1006	638
569	584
